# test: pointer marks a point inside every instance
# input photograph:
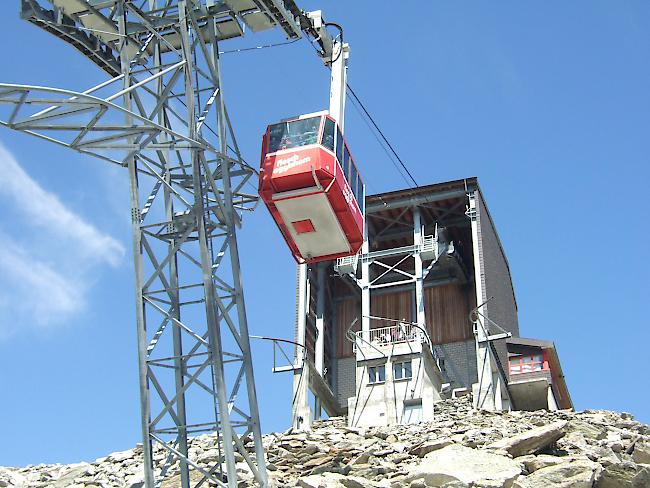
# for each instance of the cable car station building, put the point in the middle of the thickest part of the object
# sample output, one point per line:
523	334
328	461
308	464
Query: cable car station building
425	311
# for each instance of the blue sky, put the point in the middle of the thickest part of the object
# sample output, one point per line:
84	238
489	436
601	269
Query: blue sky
546	103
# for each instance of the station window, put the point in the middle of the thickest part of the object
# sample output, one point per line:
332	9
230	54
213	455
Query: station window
402	370
328	134
296	133
527	364
376	374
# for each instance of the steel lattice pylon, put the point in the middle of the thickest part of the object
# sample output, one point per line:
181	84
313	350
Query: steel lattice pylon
187	191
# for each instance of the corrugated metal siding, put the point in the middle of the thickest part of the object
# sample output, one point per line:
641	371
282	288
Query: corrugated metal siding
447	310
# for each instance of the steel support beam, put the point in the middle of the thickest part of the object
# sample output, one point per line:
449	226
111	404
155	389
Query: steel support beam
163	119
419	275
338	84
364	284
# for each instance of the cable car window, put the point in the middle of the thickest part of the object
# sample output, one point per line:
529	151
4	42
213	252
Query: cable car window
339	145
360	195
353	180
346	162
328	134
286	135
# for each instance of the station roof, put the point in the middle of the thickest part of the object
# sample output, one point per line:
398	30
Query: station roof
420	195
520	341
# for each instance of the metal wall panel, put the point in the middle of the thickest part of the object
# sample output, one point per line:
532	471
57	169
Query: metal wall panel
396	306
447	310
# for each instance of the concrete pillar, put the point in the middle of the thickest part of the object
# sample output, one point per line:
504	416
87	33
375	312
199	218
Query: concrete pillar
552	404
365	287
301	311
390	398
319	353
300	411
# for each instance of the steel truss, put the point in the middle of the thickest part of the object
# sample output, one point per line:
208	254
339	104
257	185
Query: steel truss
187	192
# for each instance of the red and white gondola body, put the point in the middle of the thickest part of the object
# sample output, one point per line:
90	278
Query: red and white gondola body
316	205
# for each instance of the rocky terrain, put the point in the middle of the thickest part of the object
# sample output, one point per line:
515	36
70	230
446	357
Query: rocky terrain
462	448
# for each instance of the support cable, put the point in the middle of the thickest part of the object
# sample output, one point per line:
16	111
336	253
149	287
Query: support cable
390	146
366	116
388	154
257	48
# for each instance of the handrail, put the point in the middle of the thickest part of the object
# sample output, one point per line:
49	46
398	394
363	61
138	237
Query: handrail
402	324
352	337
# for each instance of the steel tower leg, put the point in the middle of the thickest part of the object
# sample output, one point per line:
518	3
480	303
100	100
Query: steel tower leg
141	326
208	183
187	194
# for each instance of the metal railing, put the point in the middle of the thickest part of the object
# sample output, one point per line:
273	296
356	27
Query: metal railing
395	334
403	332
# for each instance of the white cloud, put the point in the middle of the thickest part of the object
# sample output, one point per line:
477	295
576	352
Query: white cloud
49	260
33	290
45	210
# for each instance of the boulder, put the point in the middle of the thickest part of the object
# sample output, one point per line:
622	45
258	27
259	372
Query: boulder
588	431
624	475
574	474
457	463
533	463
532	440
430	446
334	480
641	453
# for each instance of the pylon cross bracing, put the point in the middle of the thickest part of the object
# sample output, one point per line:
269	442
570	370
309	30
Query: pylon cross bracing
162	117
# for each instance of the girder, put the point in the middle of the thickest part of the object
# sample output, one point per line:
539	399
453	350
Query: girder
162	117
92	26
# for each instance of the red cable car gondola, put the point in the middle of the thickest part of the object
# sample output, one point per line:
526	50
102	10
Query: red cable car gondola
312	188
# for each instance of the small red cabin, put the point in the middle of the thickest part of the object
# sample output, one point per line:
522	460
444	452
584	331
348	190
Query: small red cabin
312	188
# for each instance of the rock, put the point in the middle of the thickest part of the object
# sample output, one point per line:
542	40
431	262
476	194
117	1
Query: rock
418	484
641	453
430	446
466	465
326	480
356	482
533	463
574	474
461	448
532	440
615	446
624	475
588	431
118	457
317	461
